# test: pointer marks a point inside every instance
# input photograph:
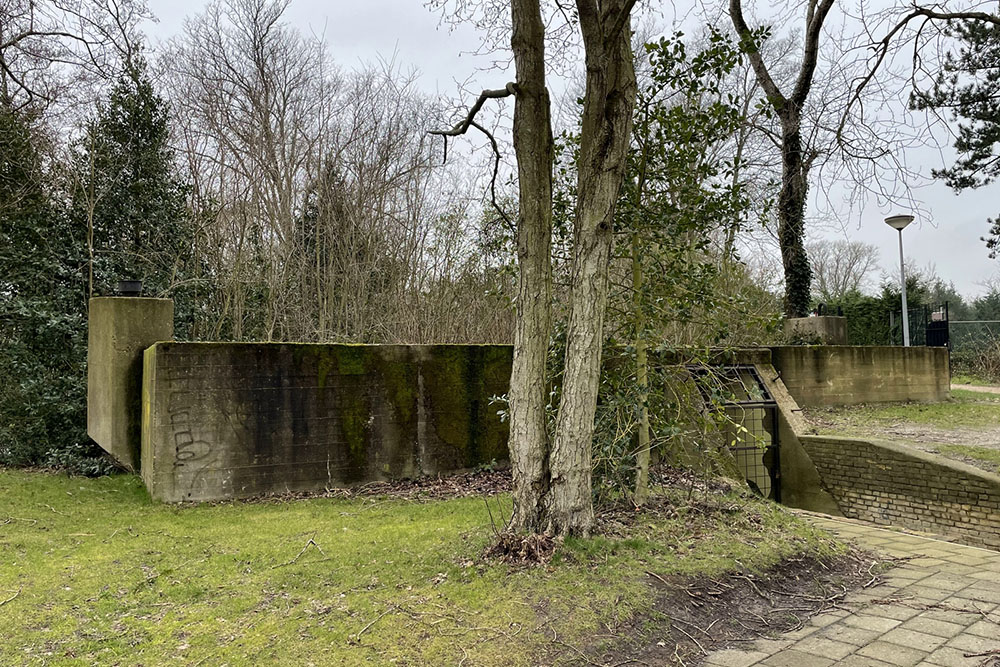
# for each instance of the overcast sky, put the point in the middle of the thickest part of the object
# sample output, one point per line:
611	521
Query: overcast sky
364	30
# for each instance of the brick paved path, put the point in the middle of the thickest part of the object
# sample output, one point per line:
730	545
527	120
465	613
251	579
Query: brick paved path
945	604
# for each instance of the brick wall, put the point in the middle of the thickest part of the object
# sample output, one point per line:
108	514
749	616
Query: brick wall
828	375
890	484
234	420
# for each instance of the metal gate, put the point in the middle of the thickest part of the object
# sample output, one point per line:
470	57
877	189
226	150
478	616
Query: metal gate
929	325
751	428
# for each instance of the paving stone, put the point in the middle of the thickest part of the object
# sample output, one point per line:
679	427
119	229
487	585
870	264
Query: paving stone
848	634
934	626
982	594
793	658
823	647
772	646
893	653
898	612
987	629
802	632
862	661
913	639
958	617
973	644
904	573
874	623
734	658
924	593
947	656
943	592
945	582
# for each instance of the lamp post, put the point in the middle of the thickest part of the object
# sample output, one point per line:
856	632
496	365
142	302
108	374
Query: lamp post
899	223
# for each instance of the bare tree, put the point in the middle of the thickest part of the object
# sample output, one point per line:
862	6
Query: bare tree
841	267
788	106
46	45
325	213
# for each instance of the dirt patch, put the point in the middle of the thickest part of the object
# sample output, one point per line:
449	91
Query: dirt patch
478	483
693	617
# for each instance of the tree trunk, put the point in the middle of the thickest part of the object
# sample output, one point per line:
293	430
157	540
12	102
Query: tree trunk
607	121
792	198
791	221
533	146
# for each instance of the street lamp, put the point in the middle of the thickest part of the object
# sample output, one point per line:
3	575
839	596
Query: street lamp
899	223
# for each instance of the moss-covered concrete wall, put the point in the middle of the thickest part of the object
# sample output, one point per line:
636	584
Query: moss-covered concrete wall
235	420
895	485
828	375
119	329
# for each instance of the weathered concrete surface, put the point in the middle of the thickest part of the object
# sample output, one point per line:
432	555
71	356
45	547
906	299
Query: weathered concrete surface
235	420
825	329
801	485
821	375
891	484
120	328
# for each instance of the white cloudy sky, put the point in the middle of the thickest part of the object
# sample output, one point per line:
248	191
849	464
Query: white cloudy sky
365	30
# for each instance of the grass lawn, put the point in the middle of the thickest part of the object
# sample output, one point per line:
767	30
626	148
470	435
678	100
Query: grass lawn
93	572
966	408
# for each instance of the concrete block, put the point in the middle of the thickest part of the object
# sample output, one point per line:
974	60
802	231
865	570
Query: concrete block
823	329
236	420
120	328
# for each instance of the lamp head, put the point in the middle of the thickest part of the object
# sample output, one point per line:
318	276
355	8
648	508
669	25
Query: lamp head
899	222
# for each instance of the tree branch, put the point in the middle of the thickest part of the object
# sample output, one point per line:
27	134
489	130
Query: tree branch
810	53
463	126
752	50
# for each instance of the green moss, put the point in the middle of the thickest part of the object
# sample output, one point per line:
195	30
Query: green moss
398	377
350	359
449	387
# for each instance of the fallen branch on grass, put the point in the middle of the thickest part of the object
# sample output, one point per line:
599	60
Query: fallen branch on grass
311	542
11	598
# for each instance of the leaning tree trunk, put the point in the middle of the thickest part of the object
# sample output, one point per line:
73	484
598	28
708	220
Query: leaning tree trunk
604	139
791	222
529	446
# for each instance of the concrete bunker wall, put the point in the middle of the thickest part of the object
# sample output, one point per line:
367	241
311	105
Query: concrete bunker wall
235	420
831	375
890	484
119	329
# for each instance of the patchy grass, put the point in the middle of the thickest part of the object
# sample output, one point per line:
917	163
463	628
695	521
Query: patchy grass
973	396
966	409
966	378
93	572
982	457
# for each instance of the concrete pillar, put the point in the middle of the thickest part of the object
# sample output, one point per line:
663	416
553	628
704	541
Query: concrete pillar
820	329
120	329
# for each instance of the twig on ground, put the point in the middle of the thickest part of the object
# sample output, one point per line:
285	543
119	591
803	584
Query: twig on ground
311	542
357	638
11	598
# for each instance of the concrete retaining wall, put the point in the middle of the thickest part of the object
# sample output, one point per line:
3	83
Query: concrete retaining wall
892	484
829	375
234	420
